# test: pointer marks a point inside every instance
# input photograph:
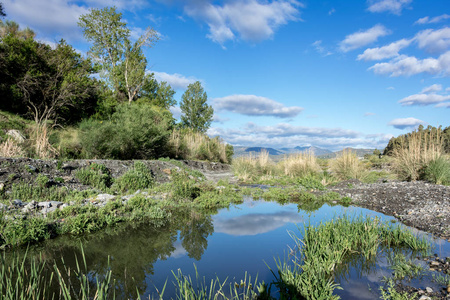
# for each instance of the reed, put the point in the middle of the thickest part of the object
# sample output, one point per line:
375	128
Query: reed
347	165
412	157
10	148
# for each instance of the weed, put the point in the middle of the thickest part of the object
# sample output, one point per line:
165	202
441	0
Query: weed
139	177
404	268
311	183
391	293
41	180
95	175
438	171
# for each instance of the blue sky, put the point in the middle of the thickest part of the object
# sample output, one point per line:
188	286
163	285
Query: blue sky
286	73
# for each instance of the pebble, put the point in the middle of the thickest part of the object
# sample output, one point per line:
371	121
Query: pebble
429	290
424	298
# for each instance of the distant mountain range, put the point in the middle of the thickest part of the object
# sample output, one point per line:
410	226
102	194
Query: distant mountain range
317	151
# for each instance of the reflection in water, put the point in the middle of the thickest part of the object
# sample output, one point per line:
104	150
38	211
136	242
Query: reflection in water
242	238
253	224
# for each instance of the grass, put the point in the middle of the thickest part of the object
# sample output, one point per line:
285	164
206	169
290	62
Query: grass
411	159
347	166
95	175
187	144
309	271
137	178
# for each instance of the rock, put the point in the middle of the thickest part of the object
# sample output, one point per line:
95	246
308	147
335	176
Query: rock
30	206
434	263
49	204
429	290
104	197
18	203
3	206
424	298
2	186
16	135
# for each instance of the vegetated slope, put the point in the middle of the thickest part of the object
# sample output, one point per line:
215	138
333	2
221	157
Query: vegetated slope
271	151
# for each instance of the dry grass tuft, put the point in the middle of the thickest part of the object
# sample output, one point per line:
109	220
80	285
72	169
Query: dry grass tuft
42	148
413	156
300	165
10	148
347	165
188	144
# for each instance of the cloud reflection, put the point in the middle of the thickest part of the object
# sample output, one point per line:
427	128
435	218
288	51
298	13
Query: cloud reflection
253	224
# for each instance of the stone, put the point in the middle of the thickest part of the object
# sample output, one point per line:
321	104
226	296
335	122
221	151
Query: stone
17	202
424	298
2	186
3	206
16	135
104	197
429	290
30	206
49	204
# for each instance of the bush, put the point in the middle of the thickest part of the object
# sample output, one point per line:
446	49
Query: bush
133	132
95	175
140	177
438	171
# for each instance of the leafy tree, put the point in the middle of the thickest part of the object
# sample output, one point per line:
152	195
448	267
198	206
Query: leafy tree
2	12
122	63
196	113
12	28
44	83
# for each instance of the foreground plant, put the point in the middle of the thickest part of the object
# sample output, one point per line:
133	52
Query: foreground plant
316	258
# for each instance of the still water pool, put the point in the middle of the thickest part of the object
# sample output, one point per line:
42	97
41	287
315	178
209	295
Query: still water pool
244	239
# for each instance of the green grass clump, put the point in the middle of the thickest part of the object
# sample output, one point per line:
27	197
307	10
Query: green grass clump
404	267
28	192
23	231
311	183
390	293
438	171
137	178
323	249
95	175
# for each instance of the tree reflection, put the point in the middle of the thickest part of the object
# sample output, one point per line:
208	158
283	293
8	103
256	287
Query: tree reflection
194	235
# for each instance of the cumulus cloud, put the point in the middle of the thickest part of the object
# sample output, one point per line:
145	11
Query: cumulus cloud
423	99
432	88
409	65
176	81
406	123
47	18
384	52
363	38
434	41
251	20
286	135
392	6
120	4
252	105
428	20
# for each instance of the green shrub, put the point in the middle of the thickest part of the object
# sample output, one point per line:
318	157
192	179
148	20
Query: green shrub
139	177
28	192
41	180
95	175
311	183
438	171
133	132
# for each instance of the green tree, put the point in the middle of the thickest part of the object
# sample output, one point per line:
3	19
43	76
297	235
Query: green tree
2	12
121	62
196	113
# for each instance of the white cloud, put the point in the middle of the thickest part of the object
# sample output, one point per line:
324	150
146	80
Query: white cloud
252	105
392	6
363	38
423	99
47	18
219	119
391	88
332	11
408	65
427	20
251	20
404	123
286	135
320	49
120	4
367	114
176	111
384	52
446	105
434	41
432	88
176	81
